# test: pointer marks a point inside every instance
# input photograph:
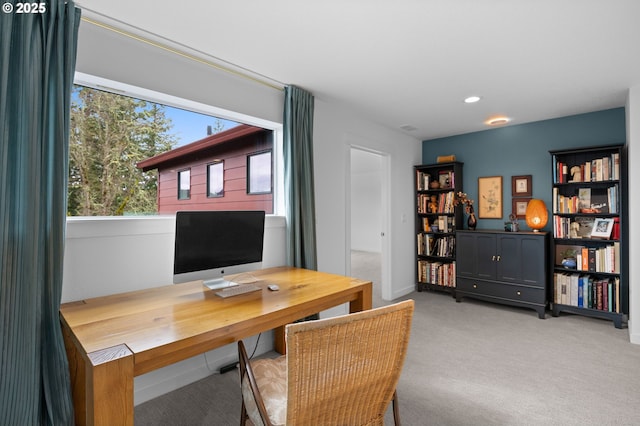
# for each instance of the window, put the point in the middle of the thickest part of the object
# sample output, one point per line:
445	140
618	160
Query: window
259	173
148	168
184	184
215	179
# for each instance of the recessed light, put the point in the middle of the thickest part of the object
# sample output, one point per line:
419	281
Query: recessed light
471	99
497	121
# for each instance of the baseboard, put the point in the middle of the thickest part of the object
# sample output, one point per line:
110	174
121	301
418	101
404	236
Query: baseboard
634	333
159	382
403	292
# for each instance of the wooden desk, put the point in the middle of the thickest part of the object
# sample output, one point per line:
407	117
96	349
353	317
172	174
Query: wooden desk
111	339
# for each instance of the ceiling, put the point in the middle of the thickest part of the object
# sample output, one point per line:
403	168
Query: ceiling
412	62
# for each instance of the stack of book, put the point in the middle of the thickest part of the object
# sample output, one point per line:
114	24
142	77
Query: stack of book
422	180
599	169
437	273
586	291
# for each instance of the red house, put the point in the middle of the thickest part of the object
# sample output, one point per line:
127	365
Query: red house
230	170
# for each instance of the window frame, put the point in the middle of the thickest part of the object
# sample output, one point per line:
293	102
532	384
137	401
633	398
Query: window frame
209	167
277	156
248	177
179	184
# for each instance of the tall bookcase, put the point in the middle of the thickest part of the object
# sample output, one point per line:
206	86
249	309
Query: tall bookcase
436	222
589	213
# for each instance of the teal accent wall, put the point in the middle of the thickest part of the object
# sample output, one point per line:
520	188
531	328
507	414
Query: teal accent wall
524	150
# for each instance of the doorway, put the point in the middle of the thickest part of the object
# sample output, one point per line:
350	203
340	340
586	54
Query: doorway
368	237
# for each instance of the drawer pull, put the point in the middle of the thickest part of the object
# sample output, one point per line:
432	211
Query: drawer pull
475	286
518	293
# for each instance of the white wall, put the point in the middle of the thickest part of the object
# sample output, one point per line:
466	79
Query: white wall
633	158
336	129
106	54
366	199
108	255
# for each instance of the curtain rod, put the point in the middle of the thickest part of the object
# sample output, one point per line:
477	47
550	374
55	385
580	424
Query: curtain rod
181	53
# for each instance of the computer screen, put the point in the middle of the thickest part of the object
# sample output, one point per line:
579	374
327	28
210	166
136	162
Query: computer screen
212	244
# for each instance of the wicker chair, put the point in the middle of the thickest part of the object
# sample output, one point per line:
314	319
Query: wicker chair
337	371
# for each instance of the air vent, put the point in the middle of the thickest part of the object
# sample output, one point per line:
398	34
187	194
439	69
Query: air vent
408	128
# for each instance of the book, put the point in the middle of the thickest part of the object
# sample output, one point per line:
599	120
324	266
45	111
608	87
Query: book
585	259
574	280
564	290
585	226
617	294
586	176
615	157
581	291
606	168
598	301
592	259
597	169
588	291
584	198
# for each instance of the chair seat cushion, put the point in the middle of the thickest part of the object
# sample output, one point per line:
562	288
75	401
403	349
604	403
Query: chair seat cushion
271	377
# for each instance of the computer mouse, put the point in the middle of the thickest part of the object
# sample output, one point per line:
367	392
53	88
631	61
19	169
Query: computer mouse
273	287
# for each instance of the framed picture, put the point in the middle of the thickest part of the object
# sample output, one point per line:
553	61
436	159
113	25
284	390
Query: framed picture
521	186
519	207
602	228
490	197
444	178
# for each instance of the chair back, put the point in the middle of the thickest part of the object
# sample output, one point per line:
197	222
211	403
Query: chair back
344	370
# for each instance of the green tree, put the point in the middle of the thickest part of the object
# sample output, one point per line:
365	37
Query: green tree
109	135
217	127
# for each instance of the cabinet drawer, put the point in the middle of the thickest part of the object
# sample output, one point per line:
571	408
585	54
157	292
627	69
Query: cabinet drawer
501	290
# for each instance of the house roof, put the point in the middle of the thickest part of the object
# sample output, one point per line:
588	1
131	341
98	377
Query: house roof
198	146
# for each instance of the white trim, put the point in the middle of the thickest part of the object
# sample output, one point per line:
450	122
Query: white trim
385	208
173	101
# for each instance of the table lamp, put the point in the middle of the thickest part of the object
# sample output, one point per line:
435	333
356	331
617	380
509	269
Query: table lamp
536	215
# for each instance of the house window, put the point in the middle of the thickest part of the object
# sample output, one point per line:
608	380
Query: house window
215	179
259	179
184	184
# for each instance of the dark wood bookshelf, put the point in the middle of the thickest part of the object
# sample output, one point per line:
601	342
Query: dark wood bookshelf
605	183
435	271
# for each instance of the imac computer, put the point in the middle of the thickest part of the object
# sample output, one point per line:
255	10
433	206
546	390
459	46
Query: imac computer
212	244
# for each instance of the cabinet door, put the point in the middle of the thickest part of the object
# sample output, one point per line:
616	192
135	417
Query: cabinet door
466	260
486	256
534	261
475	255
509	263
522	259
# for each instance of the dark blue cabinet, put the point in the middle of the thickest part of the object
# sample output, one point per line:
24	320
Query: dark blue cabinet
503	267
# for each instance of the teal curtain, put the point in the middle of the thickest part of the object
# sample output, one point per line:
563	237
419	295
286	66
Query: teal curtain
37	62
298	178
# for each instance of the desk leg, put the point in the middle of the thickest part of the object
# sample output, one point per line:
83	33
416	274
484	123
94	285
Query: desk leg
110	387
279	344
101	383
364	300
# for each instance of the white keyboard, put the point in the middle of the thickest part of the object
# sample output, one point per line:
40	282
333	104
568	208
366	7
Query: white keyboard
237	289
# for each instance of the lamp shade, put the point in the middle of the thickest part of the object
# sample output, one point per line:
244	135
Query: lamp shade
536	214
